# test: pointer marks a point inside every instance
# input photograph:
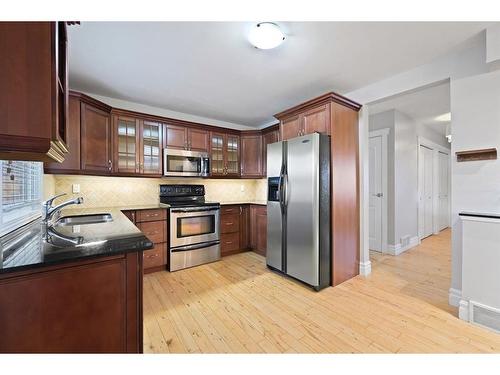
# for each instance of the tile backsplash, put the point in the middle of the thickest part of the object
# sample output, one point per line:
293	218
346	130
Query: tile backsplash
100	191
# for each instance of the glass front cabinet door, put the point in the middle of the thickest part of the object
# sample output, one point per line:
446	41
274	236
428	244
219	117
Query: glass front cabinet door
150	158
224	154
232	155
126	133
217	154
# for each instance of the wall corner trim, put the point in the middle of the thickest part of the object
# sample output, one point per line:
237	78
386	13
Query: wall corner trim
365	268
398	249
454	296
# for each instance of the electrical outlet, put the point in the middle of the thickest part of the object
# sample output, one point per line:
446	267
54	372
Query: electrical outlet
76	188
242	188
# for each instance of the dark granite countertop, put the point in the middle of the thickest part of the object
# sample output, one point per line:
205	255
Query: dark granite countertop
33	245
489	215
228	203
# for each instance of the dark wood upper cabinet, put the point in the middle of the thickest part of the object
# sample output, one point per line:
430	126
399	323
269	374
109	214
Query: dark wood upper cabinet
232	152
291	127
186	138
33	91
268	137
95	140
316	120
217	160
71	161
312	120
176	137
126	144
251	156
137	146
198	140
225	154
150	155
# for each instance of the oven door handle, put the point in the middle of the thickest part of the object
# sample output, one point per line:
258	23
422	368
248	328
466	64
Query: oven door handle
195	246
195	209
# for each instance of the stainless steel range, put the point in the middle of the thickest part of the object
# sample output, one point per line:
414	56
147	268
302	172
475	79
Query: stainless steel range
194	233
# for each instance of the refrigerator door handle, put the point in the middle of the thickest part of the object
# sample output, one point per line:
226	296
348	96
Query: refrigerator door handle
285	190
281	187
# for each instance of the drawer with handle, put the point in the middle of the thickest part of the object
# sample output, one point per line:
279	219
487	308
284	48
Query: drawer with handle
230	223
229	242
154	230
151	215
154	257
230	210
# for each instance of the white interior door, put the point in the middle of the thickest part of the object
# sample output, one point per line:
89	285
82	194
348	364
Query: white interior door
375	184
443	196
425	181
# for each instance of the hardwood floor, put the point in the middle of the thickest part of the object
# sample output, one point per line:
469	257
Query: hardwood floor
238	306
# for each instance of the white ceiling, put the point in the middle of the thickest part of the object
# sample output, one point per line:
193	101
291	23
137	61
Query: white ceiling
209	69
423	105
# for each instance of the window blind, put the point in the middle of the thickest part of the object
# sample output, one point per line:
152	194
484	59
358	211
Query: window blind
20	193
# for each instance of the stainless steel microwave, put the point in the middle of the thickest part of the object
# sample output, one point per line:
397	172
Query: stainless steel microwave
180	163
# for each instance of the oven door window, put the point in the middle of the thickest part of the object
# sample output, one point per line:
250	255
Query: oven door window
195	226
183	164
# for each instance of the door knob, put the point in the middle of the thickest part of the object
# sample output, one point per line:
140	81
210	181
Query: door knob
379	195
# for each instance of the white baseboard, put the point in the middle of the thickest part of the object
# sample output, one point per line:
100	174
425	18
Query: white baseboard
463	310
454	296
398	249
365	268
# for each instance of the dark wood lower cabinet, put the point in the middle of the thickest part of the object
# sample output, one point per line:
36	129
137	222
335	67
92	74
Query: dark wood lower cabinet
91	306
153	223
258	229
243	227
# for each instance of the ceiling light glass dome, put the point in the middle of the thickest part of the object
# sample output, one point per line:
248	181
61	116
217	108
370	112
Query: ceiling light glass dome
266	35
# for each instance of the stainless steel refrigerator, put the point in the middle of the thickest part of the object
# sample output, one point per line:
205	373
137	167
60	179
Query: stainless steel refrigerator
298	209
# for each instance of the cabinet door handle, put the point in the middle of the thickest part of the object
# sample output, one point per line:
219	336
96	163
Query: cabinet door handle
110	165
231	223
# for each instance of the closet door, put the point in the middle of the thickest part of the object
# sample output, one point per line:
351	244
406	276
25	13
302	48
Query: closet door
443	196
425	181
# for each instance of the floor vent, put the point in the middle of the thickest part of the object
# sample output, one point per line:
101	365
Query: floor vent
485	316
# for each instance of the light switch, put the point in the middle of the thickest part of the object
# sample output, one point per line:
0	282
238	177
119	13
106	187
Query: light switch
242	188
76	188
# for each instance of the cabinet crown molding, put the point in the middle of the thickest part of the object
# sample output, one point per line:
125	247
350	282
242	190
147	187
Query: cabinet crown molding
323	99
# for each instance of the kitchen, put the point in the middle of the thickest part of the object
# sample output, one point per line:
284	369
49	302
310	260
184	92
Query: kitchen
160	202
193	194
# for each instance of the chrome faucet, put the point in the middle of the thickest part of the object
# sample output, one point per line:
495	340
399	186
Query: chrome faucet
49	212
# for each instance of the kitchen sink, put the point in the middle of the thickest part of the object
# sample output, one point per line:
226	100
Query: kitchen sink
84	219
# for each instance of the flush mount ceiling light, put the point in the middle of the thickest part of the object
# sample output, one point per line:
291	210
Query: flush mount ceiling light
266	35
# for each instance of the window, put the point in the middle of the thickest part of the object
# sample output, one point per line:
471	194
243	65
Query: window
20	193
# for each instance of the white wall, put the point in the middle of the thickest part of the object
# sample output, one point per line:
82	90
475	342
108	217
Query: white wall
466	61
402	172
405	177
432	135
475	106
